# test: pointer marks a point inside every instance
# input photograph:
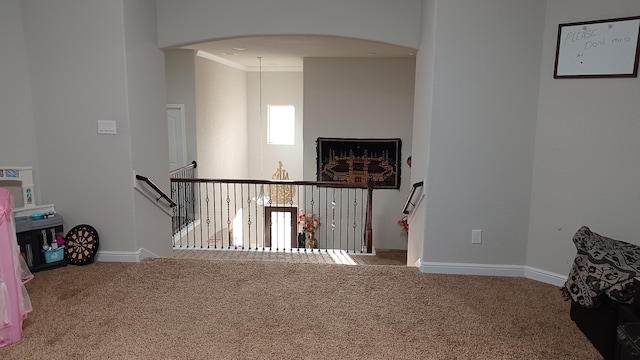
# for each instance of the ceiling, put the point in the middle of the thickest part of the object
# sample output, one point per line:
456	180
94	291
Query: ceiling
286	52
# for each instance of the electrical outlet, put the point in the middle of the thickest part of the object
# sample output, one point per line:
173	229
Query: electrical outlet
476	236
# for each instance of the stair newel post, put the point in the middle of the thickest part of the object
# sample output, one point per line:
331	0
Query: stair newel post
368	225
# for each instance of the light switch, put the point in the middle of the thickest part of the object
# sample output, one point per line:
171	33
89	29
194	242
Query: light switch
476	236
107	127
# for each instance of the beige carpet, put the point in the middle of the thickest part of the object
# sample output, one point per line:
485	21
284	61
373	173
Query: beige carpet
194	309
315	257
382	256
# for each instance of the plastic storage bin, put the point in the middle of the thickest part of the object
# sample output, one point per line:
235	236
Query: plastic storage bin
51	256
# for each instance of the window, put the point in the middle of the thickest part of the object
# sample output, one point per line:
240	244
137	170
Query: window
281	122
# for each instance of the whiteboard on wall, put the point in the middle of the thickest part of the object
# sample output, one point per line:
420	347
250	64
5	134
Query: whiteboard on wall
603	48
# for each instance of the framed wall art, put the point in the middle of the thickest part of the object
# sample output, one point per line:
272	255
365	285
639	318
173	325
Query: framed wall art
356	160
596	49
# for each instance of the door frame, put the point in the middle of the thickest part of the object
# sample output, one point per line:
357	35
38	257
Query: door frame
268	210
180	107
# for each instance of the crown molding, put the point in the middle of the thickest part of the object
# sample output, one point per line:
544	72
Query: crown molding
223	61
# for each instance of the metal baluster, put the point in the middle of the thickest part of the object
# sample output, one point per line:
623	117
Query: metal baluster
355	219
326	216
270	202
221	211
179	219
340	217
233	216
173	212
313	210
361	219
248	217
183	212
228	220
294	215
255	190
276	212
208	216
333	219
199	212
298	217
321	221
347	220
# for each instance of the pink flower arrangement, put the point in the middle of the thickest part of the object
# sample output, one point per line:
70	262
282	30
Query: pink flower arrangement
309	222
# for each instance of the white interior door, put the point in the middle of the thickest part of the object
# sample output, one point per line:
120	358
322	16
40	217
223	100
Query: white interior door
177	136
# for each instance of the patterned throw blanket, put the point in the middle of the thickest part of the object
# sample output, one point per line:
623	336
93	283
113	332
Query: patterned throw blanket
602	266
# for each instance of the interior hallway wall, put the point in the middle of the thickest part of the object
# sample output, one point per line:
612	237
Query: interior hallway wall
422	105
278	88
87	176
221	118
586	168
17	137
481	130
363	98
180	70
146	93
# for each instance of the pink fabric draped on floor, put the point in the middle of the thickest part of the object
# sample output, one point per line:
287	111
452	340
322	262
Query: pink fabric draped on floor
15	304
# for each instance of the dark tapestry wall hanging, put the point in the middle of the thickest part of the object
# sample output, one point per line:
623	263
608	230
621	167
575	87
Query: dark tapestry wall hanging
354	160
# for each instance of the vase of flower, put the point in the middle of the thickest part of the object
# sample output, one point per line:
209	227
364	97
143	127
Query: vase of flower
309	223
310	240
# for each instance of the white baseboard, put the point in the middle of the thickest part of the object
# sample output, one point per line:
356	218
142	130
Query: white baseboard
124	256
544	276
493	270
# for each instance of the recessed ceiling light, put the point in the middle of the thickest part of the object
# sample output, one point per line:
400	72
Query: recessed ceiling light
229	53
240	48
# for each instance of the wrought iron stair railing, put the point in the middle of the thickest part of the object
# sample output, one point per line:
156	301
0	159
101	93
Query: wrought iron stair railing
155	187
235	214
409	202
183	193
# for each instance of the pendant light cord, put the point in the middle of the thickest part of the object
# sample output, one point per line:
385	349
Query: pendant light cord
260	85
262	136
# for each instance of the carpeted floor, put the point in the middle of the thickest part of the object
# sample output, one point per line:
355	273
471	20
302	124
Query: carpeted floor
255	255
195	309
381	257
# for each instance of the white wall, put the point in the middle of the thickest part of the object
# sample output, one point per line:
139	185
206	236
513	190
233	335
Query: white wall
278	88
77	68
422	105
17	134
586	167
221	113
181	89
148	120
183	22
362	98
75	83
481	136
480	132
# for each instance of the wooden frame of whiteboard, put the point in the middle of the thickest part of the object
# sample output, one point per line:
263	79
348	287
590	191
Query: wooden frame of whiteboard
608	67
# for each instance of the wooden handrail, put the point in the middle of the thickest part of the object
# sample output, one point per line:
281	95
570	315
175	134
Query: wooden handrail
328	184
157	189
405	208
